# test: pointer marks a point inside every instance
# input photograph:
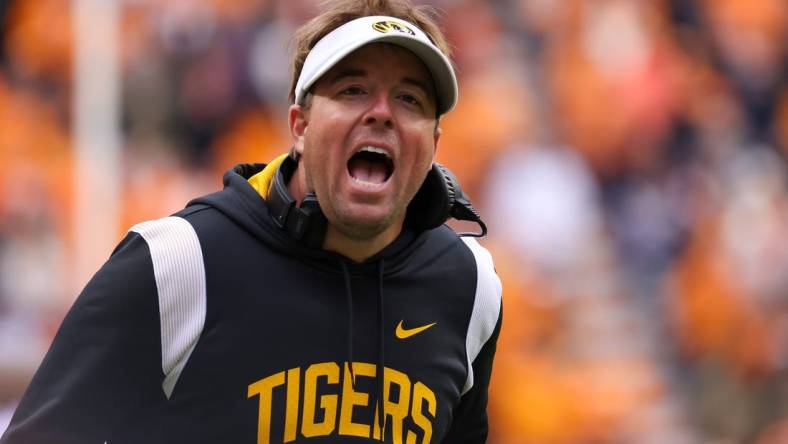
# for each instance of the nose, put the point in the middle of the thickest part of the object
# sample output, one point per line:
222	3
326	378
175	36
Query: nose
379	112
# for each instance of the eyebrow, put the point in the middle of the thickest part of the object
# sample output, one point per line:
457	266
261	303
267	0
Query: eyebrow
429	91
348	72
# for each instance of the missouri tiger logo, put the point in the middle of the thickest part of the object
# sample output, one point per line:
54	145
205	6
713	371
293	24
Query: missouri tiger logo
387	26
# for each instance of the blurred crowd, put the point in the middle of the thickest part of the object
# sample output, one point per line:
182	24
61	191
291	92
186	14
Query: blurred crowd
629	157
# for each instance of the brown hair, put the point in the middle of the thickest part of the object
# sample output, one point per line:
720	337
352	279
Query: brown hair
339	12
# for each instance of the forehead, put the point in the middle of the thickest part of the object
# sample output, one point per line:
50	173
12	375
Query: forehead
384	59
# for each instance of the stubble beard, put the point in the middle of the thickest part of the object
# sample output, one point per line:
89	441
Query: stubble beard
361	230
364	230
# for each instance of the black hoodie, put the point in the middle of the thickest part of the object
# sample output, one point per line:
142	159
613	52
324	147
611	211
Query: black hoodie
215	326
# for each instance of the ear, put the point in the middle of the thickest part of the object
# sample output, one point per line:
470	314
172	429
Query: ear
298	120
437	136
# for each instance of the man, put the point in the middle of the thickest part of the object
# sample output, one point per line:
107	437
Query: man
317	299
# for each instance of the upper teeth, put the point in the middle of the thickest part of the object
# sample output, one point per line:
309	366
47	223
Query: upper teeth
374	149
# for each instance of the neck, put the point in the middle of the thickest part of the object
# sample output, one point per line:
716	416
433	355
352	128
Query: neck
297	185
359	249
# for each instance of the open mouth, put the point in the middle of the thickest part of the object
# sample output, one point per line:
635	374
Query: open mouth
370	165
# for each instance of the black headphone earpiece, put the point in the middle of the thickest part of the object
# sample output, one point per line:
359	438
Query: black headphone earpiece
306	222
438	199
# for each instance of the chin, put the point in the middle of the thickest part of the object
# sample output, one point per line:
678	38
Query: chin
363	228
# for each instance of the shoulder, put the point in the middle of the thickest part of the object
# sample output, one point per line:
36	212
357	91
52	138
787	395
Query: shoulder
177	259
176	256
465	254
183	235
173	244
487	305
168	230
179	270
487	302
488	284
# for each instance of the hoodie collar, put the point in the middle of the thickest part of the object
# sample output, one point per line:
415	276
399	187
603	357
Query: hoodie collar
243	200
261	181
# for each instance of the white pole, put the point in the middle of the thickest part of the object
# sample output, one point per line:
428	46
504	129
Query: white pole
97	137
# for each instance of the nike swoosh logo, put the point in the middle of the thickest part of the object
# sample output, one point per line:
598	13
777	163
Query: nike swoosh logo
405	333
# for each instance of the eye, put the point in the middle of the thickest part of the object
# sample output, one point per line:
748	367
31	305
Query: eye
410	99
352	91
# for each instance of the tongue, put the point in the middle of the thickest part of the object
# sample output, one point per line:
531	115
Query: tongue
362	169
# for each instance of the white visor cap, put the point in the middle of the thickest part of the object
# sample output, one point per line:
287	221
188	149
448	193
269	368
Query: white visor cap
371	29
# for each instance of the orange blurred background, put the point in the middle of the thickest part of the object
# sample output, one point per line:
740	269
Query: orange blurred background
629	157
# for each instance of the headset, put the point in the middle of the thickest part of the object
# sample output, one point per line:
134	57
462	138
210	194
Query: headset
438	199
